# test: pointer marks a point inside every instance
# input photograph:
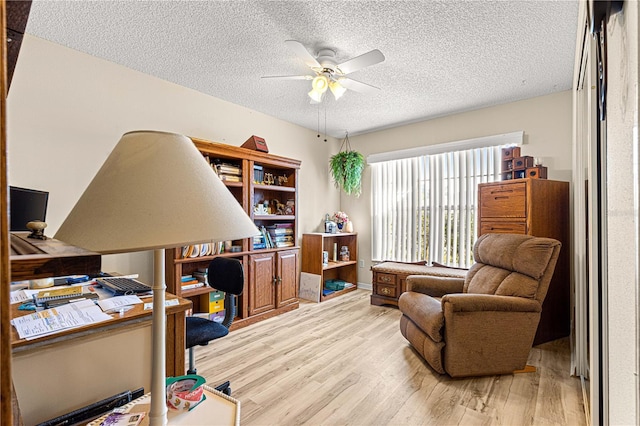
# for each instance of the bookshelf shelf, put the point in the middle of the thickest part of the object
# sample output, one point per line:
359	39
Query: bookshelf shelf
243	172
338	264
316	274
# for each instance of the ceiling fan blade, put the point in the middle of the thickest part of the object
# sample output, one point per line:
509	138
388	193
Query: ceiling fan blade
289	77
358	86
362	61
302	52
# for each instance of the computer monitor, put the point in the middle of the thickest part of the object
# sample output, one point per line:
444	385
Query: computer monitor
26	205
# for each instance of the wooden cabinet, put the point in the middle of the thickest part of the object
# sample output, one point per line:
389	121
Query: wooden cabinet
266	186
537	207
390	279
273	281
315	273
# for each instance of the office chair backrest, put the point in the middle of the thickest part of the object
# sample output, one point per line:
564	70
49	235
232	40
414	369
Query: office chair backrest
226	274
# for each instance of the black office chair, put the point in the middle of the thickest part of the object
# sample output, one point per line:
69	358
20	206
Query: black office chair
227	275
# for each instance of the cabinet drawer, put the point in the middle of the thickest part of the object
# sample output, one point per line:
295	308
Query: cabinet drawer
386	278
503	200
387	290
503	228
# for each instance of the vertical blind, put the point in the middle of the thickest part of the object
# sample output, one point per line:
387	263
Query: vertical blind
424	207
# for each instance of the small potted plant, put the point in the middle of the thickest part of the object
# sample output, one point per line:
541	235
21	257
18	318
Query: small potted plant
346	169
341	219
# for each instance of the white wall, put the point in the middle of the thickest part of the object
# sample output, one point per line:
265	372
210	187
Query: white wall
546	122
67	110
622	215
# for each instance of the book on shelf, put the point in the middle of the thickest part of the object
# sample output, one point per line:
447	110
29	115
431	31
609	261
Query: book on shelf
192	285
258	173
230	178
284	244
281	231
228	169
200	276
286	225
267	238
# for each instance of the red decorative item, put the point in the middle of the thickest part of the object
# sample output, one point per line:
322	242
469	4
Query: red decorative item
256	143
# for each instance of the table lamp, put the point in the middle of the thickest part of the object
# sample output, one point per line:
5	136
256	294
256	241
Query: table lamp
155	191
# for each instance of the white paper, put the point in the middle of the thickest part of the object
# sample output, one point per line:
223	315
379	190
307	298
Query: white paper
118	301
19	296
70	315
170	302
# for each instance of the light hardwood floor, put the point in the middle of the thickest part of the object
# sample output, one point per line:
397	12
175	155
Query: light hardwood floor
344	362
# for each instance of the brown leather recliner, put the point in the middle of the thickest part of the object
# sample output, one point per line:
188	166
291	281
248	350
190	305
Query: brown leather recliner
482	324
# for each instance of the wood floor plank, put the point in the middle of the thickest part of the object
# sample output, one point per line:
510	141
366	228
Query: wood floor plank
344	362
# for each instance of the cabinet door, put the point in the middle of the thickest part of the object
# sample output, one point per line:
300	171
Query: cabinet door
287	280
262	274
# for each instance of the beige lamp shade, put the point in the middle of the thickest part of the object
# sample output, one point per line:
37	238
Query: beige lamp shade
155	190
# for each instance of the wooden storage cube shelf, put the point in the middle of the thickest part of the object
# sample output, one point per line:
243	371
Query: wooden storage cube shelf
280	264
315	274
510	153
522	162
536	172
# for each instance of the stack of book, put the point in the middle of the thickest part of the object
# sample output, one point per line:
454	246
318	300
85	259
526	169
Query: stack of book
228	172
201	275
259	242
281	235
189	282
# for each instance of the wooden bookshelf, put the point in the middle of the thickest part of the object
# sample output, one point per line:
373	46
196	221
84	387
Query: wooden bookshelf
271	272
316	273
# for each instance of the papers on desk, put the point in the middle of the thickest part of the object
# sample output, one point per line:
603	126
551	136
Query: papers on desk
49	321
113	304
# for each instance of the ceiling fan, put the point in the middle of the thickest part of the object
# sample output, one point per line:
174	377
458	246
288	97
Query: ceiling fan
329	74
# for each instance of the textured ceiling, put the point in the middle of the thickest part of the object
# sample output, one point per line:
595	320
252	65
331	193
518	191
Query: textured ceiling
442	57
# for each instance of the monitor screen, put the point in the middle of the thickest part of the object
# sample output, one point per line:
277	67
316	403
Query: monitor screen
26	205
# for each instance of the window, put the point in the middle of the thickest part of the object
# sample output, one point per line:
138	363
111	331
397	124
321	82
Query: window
424	207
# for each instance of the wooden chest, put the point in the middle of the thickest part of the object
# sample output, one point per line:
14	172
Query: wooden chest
390	279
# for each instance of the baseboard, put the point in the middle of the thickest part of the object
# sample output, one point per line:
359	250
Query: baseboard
365	286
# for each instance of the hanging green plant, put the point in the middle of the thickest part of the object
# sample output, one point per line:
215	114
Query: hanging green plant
346	168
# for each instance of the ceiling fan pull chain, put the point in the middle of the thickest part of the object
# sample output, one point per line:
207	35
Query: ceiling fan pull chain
325	123
318	121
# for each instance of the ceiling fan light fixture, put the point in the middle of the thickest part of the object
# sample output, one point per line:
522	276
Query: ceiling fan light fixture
337	89
316	96
320	83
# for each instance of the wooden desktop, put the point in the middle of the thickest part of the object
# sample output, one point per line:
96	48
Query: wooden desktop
59	373
71	369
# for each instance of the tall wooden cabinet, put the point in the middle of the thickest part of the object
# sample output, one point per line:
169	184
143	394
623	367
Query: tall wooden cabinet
540	208
266	187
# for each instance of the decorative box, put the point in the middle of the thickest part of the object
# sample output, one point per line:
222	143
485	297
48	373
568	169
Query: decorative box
537	172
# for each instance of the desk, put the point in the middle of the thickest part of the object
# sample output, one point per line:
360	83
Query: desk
56	374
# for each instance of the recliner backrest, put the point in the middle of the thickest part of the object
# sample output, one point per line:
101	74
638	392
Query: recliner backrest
512	265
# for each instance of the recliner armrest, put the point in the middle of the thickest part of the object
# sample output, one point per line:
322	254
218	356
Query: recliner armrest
473	302
434	286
